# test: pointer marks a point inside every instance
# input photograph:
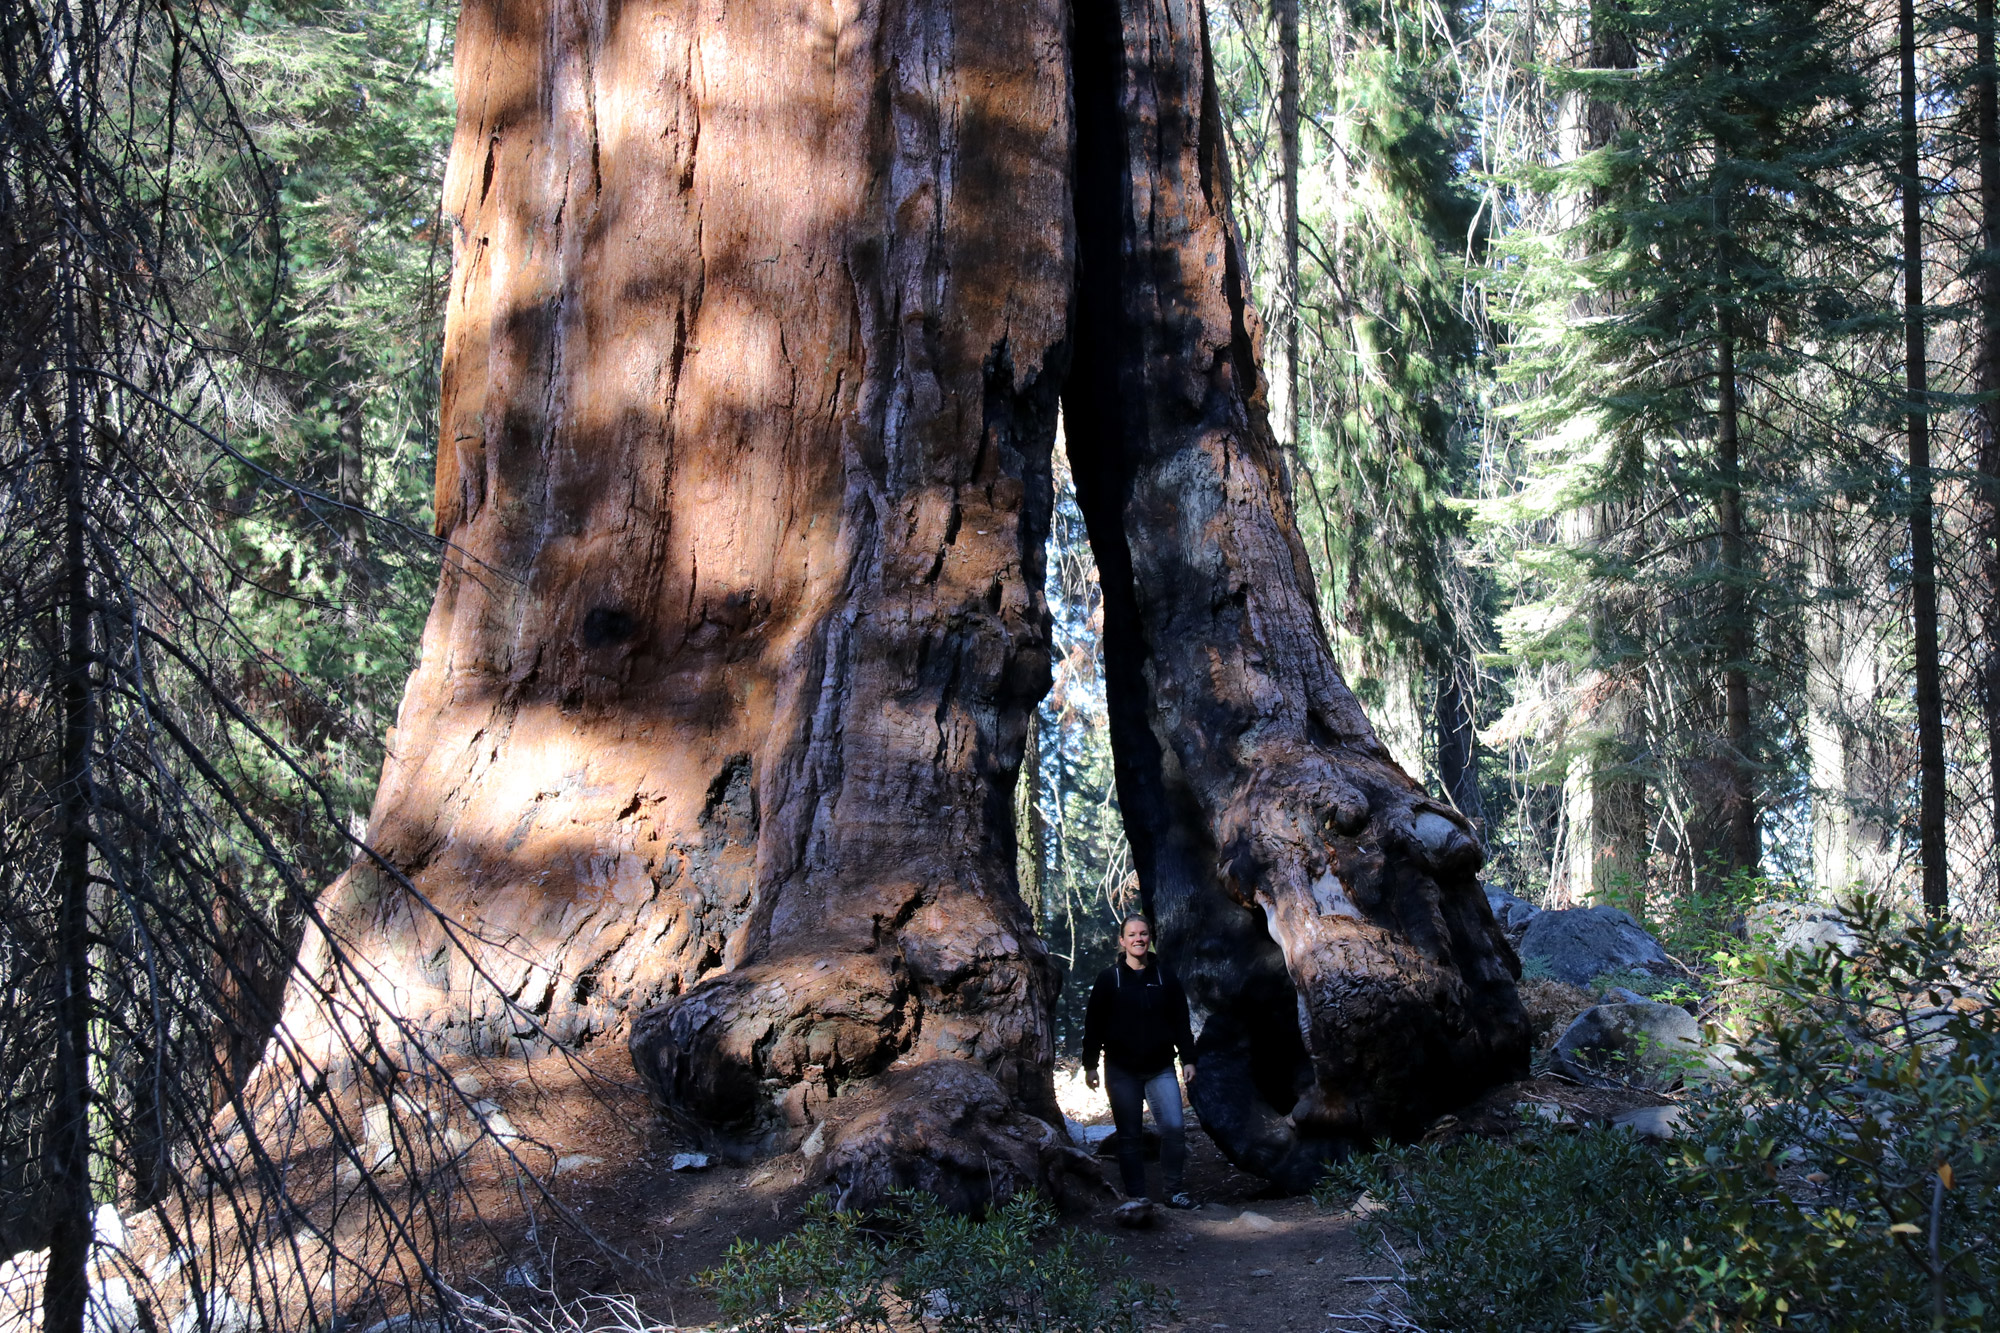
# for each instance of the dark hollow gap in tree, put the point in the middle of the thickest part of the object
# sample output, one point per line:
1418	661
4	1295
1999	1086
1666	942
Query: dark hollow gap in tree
1245	1005
1250	1051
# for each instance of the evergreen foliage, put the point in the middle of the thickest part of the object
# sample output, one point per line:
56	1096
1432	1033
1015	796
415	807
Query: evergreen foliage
1678	619
1390	342
1688	349
351	106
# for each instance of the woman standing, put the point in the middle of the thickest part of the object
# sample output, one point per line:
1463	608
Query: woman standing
1138	1017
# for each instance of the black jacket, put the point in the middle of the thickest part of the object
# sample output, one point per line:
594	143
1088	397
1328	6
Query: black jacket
1138	1019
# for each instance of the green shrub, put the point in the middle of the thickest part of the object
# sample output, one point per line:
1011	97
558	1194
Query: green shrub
1694	920
1844	1179
1847	1179
926	1268
1518	1236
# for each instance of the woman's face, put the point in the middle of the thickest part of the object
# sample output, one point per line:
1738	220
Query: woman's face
1136	940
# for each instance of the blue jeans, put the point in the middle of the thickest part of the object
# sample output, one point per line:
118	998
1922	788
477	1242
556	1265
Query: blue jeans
1130	1093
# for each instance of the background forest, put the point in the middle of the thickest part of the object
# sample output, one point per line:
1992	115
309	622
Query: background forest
1638	365
1665	628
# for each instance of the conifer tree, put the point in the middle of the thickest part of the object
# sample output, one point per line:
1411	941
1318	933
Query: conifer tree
1716	231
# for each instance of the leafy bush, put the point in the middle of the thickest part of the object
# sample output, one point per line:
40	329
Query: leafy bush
1849	1183
932	1270
1521	1236
1843	1179
1695	919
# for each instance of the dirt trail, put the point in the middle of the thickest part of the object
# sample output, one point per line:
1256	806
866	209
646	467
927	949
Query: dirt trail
1245	1260
1242	1261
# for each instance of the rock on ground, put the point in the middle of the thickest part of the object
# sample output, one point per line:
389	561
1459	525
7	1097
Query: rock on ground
1514	914
1800	927
1580	944
1642	1045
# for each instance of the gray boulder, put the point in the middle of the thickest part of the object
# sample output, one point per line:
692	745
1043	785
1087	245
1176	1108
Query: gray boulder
1580	944
111	1307
1659	1123
1511	912
216	1312
1799	927
1642	1045
1134	1213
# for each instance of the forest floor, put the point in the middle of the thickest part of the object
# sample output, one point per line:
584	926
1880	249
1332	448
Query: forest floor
1244	1260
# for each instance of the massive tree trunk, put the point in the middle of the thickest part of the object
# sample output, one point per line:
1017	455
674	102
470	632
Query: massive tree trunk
758	326
755	340
1324	912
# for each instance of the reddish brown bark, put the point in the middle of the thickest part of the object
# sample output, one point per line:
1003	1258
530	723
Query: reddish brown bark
758	324
750	385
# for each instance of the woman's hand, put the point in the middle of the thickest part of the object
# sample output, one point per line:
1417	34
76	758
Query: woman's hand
1090	1078
1187	1072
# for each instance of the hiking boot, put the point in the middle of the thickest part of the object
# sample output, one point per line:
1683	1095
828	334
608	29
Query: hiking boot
1181	1199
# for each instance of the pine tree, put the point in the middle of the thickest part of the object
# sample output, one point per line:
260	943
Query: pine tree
1718	235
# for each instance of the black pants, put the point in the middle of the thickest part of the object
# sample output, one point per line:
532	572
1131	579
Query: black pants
1129	1094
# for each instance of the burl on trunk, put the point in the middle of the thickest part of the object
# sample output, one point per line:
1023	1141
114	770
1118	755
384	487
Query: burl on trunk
759	321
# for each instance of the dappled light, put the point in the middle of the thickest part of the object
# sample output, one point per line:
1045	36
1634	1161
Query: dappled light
1435	569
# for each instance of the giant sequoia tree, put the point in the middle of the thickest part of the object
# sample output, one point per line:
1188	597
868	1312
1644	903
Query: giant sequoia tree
761	320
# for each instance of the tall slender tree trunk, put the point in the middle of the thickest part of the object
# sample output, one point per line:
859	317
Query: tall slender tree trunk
1739	763
66	1288
758	323
1986	380
1923	551
1604	804
1850	673
1458	743
1287	13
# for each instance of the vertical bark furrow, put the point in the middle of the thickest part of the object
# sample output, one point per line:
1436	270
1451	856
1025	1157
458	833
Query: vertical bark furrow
755	337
